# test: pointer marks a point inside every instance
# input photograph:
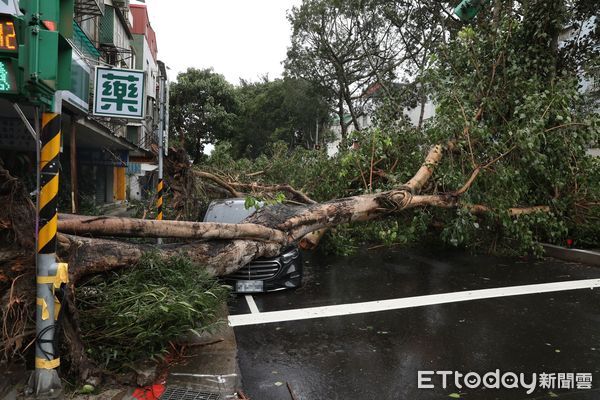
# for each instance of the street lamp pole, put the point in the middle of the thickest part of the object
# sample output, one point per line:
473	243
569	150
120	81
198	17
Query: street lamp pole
161	150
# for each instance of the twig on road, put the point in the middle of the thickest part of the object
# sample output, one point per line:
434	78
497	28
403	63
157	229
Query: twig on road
291	391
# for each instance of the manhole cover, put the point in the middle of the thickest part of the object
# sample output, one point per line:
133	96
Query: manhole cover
179	393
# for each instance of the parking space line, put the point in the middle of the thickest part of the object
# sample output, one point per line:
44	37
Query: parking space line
252	304
400	303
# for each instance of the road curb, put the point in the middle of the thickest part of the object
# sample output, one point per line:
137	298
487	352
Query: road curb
211	363
575	255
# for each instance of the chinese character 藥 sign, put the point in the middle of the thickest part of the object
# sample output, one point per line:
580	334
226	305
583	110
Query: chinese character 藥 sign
119	93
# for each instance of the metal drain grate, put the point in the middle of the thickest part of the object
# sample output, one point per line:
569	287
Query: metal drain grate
179	393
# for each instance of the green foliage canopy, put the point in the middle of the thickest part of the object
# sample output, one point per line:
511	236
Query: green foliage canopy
508	97
283	109
203	108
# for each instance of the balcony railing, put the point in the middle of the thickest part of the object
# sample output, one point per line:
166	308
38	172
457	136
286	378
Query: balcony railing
92	8
83	43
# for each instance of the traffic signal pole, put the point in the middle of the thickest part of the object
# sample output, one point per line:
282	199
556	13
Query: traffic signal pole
33	67
51	275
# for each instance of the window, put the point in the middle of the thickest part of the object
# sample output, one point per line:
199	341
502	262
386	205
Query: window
133	134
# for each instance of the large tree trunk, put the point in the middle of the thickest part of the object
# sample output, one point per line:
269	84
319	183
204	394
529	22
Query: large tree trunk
130	227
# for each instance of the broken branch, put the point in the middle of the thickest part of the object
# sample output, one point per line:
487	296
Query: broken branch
219	182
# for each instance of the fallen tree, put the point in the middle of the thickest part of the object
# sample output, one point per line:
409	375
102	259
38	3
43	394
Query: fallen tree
220	248
88	244
510	163
264	233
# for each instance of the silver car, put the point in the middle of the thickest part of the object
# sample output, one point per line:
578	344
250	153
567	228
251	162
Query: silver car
263	274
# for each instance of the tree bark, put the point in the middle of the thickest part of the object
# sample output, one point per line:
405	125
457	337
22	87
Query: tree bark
88	256
350	105
130	227
424	173
343	126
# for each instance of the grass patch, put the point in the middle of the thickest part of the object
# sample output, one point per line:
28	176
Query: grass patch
133	314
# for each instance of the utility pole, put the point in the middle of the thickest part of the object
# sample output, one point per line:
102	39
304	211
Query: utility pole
33	67
51	275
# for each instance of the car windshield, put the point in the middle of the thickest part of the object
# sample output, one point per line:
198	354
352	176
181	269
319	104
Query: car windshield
228	211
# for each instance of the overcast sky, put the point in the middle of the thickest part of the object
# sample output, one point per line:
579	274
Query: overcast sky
238	38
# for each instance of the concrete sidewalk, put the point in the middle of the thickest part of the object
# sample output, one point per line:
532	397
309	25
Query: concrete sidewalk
11	381
211	364
208	369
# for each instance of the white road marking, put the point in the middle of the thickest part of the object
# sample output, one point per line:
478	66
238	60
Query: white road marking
407	302
252	304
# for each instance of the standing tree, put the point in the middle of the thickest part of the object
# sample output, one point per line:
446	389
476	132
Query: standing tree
420	27
203	108
328	48
284	109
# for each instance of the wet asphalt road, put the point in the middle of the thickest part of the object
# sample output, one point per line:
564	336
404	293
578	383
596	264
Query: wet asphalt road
378	355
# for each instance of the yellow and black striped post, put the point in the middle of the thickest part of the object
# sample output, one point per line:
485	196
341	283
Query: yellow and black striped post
159	200
50	274
49	169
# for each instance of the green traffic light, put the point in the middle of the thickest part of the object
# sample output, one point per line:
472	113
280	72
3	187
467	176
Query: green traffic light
5	85
7	77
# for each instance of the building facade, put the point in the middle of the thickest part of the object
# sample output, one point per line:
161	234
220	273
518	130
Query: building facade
142	172
98	167
98	153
